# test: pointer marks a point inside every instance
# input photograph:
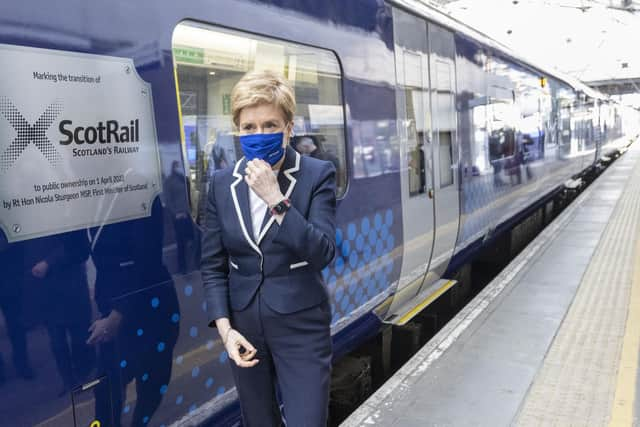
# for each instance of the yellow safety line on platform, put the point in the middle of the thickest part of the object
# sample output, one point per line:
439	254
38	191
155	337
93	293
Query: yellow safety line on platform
444	288
623	402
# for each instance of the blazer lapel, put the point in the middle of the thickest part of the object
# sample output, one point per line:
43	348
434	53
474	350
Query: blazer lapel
286	181
240	195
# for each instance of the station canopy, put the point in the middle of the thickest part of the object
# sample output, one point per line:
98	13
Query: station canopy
595	41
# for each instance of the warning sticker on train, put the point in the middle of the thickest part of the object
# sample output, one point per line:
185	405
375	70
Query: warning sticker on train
78	143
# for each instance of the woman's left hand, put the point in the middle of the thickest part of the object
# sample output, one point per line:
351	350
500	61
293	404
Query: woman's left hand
260	177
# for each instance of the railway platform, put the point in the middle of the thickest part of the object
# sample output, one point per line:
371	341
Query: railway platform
554	339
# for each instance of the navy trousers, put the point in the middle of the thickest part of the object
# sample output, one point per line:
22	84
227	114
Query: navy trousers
295	354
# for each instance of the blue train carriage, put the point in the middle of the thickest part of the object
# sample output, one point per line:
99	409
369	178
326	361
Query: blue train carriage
114	116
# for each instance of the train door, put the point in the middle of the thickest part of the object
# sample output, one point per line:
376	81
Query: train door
414	130
444	143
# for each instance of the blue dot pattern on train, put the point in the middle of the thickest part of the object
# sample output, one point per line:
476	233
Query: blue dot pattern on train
360	271
363	263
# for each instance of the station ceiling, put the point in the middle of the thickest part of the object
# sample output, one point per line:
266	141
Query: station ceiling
593	40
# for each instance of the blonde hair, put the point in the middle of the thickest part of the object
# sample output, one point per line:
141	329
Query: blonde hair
263	87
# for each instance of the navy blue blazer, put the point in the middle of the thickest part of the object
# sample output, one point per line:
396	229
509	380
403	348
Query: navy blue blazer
286	260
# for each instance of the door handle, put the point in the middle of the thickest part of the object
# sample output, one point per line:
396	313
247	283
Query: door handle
430	193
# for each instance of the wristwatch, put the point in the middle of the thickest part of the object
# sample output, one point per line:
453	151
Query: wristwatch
281	207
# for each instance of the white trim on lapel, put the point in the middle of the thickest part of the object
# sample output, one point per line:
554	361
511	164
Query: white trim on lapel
292	183
233	186
298	265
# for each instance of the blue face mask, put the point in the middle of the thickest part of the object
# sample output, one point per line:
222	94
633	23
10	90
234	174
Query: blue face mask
264	146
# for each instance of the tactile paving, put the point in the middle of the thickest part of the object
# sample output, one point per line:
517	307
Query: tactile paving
577	381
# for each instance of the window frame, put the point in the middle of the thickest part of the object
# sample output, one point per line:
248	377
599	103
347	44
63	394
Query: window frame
243	32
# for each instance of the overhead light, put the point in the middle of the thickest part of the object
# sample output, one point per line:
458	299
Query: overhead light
212	73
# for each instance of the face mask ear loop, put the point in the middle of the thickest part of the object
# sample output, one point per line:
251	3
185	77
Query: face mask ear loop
291	134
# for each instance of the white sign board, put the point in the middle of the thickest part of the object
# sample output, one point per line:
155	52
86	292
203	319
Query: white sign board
78	144
325	115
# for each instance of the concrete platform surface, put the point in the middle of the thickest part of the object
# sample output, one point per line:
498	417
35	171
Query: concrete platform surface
553	340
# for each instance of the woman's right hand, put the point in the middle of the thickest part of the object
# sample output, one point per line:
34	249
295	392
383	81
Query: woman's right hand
233	343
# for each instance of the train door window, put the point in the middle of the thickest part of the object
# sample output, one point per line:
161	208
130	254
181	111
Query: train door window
415	100
564	100
445	119
529	100
412	74
501	119
446	159
209	61
577	125
548	119
589	121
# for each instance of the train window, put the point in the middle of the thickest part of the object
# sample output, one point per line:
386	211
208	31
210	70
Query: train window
549	120
502	116
412	98
208	63
416	125
443	100
565	125
446	159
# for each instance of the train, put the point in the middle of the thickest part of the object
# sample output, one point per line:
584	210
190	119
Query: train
114	115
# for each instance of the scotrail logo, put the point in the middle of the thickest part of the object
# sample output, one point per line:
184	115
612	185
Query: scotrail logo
28	133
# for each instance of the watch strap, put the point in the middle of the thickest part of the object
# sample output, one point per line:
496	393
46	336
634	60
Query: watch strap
281	207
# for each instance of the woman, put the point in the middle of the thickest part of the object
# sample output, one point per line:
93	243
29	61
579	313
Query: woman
269	231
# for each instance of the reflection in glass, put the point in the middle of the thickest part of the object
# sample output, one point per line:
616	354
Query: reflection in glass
178	206
138	325
414	126
46	306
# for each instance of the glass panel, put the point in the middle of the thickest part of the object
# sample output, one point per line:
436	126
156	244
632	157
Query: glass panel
445	118
414	121
502	115
412	96
209	61
446	159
